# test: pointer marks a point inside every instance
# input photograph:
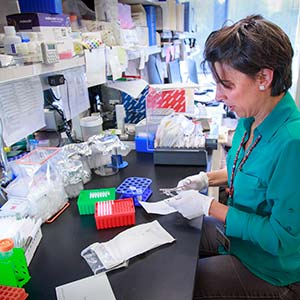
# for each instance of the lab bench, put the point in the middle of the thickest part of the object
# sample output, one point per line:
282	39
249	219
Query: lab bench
166	272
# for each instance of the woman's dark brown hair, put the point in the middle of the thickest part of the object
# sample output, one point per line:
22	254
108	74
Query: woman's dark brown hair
250	45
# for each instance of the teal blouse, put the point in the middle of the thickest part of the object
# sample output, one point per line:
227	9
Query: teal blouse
263	220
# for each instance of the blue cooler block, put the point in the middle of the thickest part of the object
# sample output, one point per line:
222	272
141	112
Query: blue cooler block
137	188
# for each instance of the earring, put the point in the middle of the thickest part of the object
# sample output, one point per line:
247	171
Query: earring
261	87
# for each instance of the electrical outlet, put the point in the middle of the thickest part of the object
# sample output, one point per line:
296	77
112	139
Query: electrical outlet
55	80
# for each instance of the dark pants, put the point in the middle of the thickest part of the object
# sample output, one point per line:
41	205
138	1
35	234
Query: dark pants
225	277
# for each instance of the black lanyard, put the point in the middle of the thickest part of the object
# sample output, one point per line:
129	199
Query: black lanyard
243	160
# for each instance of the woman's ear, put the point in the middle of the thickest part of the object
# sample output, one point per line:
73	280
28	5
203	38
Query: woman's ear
264	79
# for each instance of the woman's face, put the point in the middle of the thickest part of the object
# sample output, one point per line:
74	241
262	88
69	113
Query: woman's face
241	93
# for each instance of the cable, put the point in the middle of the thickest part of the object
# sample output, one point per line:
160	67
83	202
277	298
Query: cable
49	96
53	95
70	125
68	98
70	111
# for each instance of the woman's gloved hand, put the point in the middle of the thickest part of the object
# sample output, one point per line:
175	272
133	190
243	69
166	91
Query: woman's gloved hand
196	182
191	204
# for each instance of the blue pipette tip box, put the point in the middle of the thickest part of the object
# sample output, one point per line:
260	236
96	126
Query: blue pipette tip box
137	188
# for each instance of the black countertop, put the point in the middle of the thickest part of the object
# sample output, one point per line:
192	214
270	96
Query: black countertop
166	272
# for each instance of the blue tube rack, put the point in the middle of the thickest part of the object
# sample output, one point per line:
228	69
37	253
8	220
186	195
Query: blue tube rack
137	188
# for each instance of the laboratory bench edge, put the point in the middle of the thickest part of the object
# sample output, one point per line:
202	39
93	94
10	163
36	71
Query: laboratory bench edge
166	272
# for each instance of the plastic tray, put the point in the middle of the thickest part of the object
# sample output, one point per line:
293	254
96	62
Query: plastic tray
137	188
12	293
88	198
114	213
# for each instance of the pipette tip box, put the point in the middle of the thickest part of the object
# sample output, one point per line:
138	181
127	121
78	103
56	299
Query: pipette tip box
12	293
88	198
137	188
114	213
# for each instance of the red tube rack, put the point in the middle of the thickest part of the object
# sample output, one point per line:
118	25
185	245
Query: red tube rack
12	293
114	213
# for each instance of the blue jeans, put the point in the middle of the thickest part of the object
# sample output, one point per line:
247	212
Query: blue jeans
225	277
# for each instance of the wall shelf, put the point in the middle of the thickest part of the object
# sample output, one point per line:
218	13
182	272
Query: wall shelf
26	71
136	53
144	2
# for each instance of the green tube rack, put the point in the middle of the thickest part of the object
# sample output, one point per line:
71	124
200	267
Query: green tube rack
13	270
87	199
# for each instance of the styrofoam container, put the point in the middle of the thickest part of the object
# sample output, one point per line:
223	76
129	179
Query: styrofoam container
90	126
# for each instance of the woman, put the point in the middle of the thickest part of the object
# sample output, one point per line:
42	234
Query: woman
251	64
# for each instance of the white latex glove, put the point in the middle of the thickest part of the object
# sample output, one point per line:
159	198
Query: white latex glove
196	182
191	204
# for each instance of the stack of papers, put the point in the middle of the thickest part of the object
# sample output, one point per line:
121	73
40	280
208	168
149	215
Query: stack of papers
90	288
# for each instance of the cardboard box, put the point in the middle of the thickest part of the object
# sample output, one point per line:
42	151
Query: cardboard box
110	32
135	108
26	21
166	15
138	15
128	37
180	17
53	27
106	10
142	34
177	96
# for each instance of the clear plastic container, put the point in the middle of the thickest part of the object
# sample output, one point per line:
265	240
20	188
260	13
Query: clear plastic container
90	126
106	170
10	40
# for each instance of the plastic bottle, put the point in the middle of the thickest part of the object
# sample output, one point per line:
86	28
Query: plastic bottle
10	40
77	42
6	248
74	23
33	144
